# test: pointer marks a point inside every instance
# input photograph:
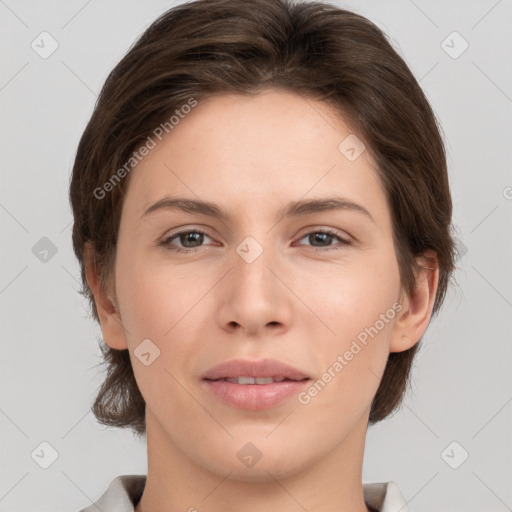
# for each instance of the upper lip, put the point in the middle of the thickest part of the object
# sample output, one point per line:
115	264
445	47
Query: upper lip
262	368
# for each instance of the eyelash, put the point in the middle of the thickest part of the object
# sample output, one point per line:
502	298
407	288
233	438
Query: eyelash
344	242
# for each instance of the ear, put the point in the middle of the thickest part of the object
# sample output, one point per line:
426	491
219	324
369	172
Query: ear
416	311
110	319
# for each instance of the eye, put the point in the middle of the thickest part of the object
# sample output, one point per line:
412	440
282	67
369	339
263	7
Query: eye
325	238
190	240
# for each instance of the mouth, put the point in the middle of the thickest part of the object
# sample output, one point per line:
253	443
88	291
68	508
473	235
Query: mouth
244	370
254	385
257	380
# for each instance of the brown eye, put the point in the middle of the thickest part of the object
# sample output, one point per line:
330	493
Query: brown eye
324	239
188	240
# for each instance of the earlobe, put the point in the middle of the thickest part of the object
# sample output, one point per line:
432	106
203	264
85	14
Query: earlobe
416	313
110	319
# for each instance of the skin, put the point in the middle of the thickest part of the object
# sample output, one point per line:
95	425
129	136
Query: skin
253	155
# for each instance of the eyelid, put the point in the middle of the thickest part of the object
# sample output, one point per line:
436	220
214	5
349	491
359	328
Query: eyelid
185	229
306	231
344	239
343	235
179	231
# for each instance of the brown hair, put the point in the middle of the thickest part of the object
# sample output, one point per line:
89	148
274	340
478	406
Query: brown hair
207	47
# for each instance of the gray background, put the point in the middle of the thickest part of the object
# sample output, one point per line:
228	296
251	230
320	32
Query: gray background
48	375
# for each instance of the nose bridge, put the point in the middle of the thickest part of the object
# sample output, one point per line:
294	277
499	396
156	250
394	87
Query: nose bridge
253	298
251	273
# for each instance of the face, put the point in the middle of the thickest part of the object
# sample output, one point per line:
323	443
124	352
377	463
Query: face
315	288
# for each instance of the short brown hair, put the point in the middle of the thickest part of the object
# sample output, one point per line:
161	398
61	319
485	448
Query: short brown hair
207	47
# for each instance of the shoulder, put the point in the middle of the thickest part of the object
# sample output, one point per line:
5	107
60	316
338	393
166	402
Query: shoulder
121	495
125	490
384	497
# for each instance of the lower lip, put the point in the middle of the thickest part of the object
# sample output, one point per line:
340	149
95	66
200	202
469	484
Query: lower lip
254	396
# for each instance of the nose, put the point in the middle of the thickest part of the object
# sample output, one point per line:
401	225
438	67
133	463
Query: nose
254	299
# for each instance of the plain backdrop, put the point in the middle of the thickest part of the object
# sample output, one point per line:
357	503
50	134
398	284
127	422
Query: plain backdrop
448	447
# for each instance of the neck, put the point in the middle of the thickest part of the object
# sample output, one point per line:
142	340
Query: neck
175	482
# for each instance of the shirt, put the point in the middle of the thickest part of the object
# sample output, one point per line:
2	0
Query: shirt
125	491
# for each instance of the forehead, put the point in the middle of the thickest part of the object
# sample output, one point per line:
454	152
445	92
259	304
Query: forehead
265	146
274	124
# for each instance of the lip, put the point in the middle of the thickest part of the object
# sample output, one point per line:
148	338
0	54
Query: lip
247	368
254	396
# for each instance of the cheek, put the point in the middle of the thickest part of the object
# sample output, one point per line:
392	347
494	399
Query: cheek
358	302
349	296
155	299
332	302
162	304
159	299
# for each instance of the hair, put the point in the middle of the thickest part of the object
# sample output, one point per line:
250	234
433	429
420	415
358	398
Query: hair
204	48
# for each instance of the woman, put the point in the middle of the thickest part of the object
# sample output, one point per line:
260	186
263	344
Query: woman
262	218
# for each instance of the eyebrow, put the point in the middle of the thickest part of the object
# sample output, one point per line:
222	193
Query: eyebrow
293	209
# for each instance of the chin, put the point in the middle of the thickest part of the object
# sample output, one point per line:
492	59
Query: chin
258	460
262	471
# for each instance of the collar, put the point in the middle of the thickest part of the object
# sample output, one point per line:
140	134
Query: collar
125	491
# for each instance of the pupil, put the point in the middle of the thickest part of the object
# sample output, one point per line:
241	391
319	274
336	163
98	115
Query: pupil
321	237
189	237
194	237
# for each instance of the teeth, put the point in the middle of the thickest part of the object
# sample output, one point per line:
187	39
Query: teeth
264	380
255	380
245	380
